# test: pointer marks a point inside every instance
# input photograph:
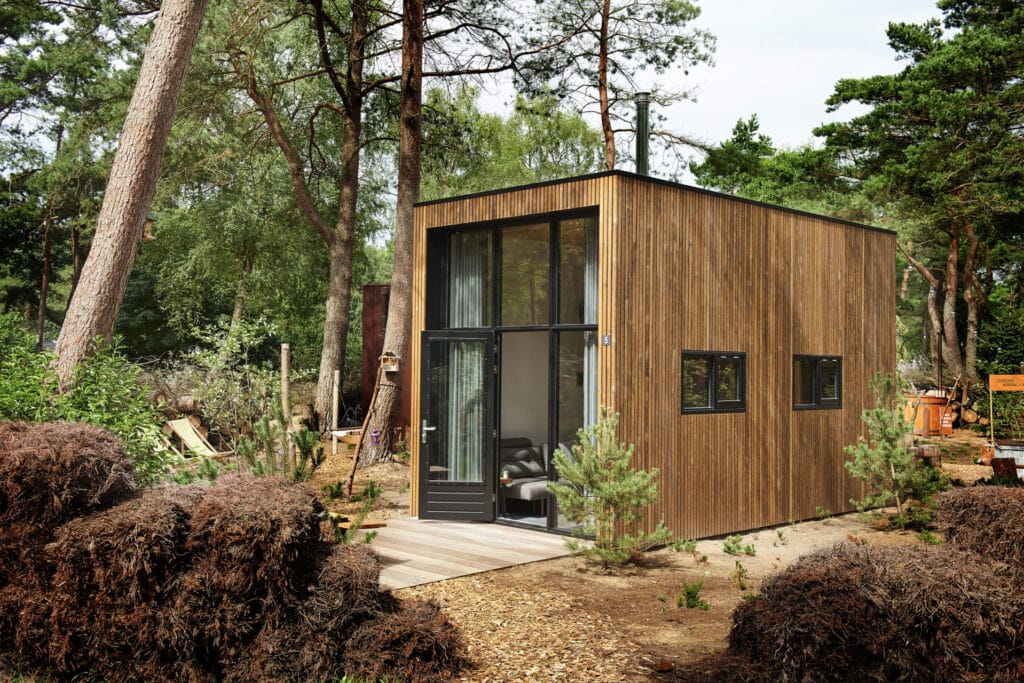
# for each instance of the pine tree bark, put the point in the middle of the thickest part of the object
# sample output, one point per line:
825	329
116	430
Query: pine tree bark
93	309
951	355
381	417
974	297
339	237
934	316
602	89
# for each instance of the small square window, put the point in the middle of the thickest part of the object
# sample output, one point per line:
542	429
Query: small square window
696	382
817	382
713	382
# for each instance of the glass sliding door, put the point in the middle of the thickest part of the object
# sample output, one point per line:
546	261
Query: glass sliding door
456	443
523	451
577	271
525	274
469	279
577	394
510	372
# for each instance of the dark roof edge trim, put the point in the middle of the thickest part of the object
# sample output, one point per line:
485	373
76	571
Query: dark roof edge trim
659	181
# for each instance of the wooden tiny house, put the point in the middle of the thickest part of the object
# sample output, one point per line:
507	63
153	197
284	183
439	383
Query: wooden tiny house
736	339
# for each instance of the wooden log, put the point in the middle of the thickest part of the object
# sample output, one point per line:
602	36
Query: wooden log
970	416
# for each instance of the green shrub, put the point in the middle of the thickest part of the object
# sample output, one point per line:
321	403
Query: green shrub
689	596
1007	411
740	576
733	545
883	461
232	392
105	391
599	490
310	454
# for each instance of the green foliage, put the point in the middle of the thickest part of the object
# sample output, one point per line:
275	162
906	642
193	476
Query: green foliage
105	391
883	461
822	512
369	495
642	39
232	391
688	545
741	576
1007	411
334	490
807	178
466	150
929	538
733	545
939	146
402	453
689	596
310	454
599	490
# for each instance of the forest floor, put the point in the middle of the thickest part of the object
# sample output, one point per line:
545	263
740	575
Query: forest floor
567	620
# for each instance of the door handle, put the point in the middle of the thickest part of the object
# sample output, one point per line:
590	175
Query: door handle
423	431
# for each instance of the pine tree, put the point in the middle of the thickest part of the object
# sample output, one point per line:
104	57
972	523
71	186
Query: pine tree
599	489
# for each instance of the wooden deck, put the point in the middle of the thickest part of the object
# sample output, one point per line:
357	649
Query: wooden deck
414	551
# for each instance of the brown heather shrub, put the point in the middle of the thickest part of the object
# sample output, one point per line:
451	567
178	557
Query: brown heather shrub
229	582
857	612
988	520
414	643
52	473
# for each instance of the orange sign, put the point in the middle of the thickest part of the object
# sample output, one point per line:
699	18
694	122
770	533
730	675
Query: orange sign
1006	382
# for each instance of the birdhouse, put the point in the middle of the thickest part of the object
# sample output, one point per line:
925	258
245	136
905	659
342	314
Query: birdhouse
390	362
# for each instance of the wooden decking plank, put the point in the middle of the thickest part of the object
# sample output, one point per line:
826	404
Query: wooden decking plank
413	551
497	536
436	548
441	545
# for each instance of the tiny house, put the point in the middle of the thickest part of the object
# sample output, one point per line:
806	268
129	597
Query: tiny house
735	339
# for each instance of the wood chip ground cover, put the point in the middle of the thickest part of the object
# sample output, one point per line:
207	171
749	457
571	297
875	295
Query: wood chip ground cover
560	620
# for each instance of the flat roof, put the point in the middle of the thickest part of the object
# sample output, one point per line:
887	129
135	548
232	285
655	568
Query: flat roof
660	181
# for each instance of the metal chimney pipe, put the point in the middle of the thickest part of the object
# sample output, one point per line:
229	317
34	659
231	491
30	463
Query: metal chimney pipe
643	100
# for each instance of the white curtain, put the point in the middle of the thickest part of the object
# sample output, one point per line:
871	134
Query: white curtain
468	294
468	280
465	411
590	290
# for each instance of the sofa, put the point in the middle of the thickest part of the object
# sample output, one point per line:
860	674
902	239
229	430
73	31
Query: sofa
524	471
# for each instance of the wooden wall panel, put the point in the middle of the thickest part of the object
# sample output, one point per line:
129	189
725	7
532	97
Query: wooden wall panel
685	269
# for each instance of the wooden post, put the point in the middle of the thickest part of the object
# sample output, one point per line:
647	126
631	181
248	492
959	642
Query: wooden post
334	412
991	420
334	399
286	401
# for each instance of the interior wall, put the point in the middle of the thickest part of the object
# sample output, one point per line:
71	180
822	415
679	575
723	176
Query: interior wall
524	385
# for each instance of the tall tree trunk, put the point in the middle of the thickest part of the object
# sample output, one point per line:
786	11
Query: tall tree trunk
602	88
242	291
381	417
951	356
974	296
133	176
338	238
76	259
44	285
350	91
934	286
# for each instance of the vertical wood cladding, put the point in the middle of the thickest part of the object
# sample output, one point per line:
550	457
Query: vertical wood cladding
685	269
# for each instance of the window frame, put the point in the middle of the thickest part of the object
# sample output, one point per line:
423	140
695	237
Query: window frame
716	405
819	402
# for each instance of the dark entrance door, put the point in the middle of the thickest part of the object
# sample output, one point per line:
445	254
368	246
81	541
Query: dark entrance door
457	426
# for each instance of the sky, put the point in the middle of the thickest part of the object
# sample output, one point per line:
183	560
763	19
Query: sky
781	58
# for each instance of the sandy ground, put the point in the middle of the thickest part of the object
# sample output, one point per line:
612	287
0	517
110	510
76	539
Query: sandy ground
566	620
